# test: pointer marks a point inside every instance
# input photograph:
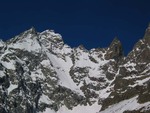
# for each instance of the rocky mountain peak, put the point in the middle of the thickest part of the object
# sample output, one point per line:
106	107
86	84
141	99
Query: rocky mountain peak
24	36
115	50
51	39
81	47
141	49
32	30
147	34
148	29
115	41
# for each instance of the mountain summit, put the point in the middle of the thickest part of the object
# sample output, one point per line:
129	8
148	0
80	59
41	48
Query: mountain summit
147	35
39	73
115	50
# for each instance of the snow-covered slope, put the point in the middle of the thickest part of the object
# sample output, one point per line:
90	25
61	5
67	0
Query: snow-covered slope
127	106
39	73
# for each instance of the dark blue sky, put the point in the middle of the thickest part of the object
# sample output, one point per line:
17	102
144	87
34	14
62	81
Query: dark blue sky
93	23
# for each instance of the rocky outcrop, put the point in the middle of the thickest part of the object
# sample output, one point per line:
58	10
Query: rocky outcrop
147	34
115	50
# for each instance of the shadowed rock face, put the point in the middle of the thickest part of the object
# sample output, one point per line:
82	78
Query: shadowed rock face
147	34
115	50
38	72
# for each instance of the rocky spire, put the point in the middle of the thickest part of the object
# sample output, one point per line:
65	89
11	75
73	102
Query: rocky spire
147	34
32	30
115	50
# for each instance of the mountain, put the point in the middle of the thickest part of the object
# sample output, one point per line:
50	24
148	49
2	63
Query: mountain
39	73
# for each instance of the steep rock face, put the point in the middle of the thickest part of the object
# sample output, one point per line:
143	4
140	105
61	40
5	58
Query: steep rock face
147	34
132	80
115	50
39	73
